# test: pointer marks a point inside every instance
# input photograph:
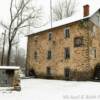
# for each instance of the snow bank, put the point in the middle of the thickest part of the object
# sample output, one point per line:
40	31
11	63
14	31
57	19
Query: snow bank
38	89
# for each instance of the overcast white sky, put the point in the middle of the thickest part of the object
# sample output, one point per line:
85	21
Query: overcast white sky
4	13
4	6
4	10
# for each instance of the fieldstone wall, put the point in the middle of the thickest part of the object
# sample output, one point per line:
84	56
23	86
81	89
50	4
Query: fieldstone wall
80	64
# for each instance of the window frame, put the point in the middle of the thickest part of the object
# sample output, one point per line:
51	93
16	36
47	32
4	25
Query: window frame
93	52
36	56
76	40
93	33
98	19
49	54
66	53
66	73
66	32
49	36
48	71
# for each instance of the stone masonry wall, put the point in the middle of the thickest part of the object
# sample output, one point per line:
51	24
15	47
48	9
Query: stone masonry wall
80	64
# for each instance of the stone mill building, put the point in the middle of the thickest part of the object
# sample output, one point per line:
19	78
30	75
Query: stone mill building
69	50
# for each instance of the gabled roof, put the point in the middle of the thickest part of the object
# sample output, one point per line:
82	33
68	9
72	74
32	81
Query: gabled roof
94	7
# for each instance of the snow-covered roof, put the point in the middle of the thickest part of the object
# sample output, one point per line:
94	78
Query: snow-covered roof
10	67
94	7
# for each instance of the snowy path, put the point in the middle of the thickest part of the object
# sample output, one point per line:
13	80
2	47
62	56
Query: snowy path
38	89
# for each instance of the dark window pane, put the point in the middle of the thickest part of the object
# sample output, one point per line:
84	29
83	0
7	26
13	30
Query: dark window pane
78	41
49	35
95	53
49	55
66	53
48	71
66	72
66	33
35	55
32	72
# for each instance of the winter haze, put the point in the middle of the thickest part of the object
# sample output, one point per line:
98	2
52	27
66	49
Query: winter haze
45	4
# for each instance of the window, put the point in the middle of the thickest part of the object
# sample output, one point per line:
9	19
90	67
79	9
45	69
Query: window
35	55
36	39
5	82
10	72
66	73
66	53
49	36
78	42
3	72
93	31
48	71
98	18
93	52
31	72
49	56
66	33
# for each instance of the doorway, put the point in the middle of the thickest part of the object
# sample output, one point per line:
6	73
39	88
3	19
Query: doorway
97	72
66	73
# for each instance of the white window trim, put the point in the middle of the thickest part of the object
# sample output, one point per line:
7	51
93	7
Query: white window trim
94	31
92	53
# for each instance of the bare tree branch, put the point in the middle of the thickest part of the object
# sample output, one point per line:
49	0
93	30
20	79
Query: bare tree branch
5	26
23	14
63	9
11	9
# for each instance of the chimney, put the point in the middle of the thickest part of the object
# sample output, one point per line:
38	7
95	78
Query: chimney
86	10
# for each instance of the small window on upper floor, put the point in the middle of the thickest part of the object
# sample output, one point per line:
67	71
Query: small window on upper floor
94	31
66	53
66	33
50	36
78	42
98	19
36	38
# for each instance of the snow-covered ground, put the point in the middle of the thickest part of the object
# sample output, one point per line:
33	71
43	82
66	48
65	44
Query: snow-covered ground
40	89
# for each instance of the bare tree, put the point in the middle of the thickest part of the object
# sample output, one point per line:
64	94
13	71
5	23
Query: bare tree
63	9
3	48
22	15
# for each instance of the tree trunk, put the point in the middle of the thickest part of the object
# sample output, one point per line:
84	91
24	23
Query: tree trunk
9	54
3	50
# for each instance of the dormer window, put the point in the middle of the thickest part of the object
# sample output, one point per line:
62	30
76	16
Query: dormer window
50	36
66	33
